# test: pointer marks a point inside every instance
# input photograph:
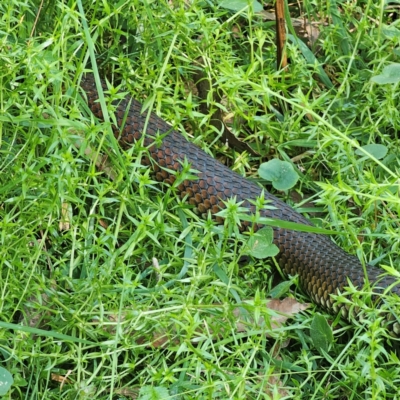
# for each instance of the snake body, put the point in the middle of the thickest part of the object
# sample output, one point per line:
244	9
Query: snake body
323	268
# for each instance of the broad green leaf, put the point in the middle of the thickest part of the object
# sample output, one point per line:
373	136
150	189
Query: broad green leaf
6	380
260	244
378	151
280	173
237	5
390	74
391	32
153	393
321	333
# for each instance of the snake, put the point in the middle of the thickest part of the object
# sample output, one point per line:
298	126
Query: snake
323	268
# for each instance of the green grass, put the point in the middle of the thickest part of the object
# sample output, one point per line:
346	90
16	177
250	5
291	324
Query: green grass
94	286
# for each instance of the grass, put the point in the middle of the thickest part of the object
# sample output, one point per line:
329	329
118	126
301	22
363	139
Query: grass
108	267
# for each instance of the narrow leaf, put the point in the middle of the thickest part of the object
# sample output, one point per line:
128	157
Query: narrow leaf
378	151
42	332
280	289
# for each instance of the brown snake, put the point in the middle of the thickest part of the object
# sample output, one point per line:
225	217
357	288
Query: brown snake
323	267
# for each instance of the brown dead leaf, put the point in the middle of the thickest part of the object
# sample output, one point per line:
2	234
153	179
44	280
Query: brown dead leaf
103	223
133	393
62	379
64	224
285	308
288	306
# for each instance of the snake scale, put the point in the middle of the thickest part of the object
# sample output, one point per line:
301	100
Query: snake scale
323	268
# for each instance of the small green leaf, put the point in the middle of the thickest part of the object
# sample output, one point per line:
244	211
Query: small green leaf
260	244
390	74
378	151
280	173
6	380
237	5
321	333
